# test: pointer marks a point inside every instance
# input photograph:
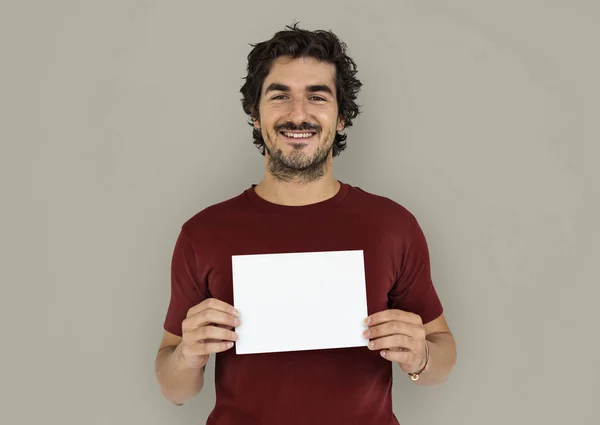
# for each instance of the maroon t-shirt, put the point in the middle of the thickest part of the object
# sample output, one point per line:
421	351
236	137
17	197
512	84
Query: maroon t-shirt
333	386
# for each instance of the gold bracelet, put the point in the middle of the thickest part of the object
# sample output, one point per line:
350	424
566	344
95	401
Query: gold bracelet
415	376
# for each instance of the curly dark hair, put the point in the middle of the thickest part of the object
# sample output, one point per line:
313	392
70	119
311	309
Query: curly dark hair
296	43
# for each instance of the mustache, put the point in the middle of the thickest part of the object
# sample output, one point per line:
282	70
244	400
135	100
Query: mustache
290	126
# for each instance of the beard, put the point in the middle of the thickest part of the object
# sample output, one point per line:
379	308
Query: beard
297	166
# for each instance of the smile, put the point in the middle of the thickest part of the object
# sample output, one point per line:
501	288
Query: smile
297	135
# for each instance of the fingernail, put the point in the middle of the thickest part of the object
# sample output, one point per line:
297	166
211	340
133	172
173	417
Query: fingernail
229	344
236	322
383	354
367	320
367	333
236	312
371	344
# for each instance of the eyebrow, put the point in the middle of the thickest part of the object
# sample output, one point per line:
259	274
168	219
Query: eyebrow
311	89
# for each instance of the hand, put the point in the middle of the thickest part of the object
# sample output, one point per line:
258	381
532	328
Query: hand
207	329
400	336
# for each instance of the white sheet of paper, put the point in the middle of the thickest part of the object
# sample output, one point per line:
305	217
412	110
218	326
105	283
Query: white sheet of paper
299	301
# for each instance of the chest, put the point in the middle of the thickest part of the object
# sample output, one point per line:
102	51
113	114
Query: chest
296	236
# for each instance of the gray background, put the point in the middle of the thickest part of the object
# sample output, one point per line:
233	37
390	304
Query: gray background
121	119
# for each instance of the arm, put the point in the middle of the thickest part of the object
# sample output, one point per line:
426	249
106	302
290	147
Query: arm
180	361
177	381
400	333
442	353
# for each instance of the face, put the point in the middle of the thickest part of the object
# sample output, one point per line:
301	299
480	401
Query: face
298	117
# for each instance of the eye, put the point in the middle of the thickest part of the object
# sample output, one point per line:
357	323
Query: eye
279	97
317	98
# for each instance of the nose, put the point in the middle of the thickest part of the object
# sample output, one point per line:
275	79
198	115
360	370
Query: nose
298	112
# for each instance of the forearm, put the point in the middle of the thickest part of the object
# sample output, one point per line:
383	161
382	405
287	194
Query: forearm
442	358
178	382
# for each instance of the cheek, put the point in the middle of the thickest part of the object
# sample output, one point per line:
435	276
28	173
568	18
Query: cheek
273	113
328	119
269	134
328	122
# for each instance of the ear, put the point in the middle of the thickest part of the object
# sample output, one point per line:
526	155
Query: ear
340	124
255	121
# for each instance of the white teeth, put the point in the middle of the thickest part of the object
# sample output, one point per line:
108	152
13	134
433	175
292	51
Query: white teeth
298	135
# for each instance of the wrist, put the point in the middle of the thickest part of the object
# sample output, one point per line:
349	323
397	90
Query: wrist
423	366
193	362
178	354
425	360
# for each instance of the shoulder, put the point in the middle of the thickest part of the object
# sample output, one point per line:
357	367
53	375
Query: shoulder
214	216
381	206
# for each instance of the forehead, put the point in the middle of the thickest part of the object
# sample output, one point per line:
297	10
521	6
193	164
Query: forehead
301	72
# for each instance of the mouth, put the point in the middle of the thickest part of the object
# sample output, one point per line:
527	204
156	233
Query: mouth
298	136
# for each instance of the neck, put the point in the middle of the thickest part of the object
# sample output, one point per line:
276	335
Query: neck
297	193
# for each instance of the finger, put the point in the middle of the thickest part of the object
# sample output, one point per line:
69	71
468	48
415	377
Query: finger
206	317
405	358
212	333
205	348
394	327
213	304
225	327
395	342
388	315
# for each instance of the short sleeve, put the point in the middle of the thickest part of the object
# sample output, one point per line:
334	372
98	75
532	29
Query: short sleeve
414	290
187	289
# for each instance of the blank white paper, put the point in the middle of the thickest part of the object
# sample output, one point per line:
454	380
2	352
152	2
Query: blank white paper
299	301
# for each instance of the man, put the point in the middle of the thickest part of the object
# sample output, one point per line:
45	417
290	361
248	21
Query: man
299	94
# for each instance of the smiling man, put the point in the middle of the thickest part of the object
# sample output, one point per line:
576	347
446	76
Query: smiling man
299	117
300	95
